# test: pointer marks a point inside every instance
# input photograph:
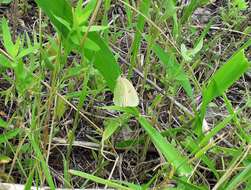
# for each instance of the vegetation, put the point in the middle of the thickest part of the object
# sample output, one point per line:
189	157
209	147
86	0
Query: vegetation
125	94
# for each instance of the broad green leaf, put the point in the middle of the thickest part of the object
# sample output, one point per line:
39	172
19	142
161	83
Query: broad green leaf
224	78
103	60
64	22
174	68
59	8
88	43
171	154
23	78
91	45
16	47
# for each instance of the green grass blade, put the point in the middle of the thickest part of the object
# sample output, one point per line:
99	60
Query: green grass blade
187	186
40	157
144	8
174	68
129	14
28	183
191	8
170	153
98	180
215	131
192	146
240	178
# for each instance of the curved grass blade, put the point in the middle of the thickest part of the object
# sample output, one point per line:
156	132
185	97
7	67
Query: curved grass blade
170	153
40	157
224	77
99	180
240	178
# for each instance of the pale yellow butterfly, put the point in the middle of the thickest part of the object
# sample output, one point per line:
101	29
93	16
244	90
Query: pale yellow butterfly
125	94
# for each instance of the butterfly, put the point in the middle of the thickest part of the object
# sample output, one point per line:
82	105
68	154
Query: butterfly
125	94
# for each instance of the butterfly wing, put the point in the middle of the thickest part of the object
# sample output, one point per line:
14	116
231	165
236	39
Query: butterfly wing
119	91
131	96
125	94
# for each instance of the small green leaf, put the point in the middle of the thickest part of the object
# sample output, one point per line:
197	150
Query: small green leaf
60	108
7	41
189	54
240	4
4	159
25	52
110	127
